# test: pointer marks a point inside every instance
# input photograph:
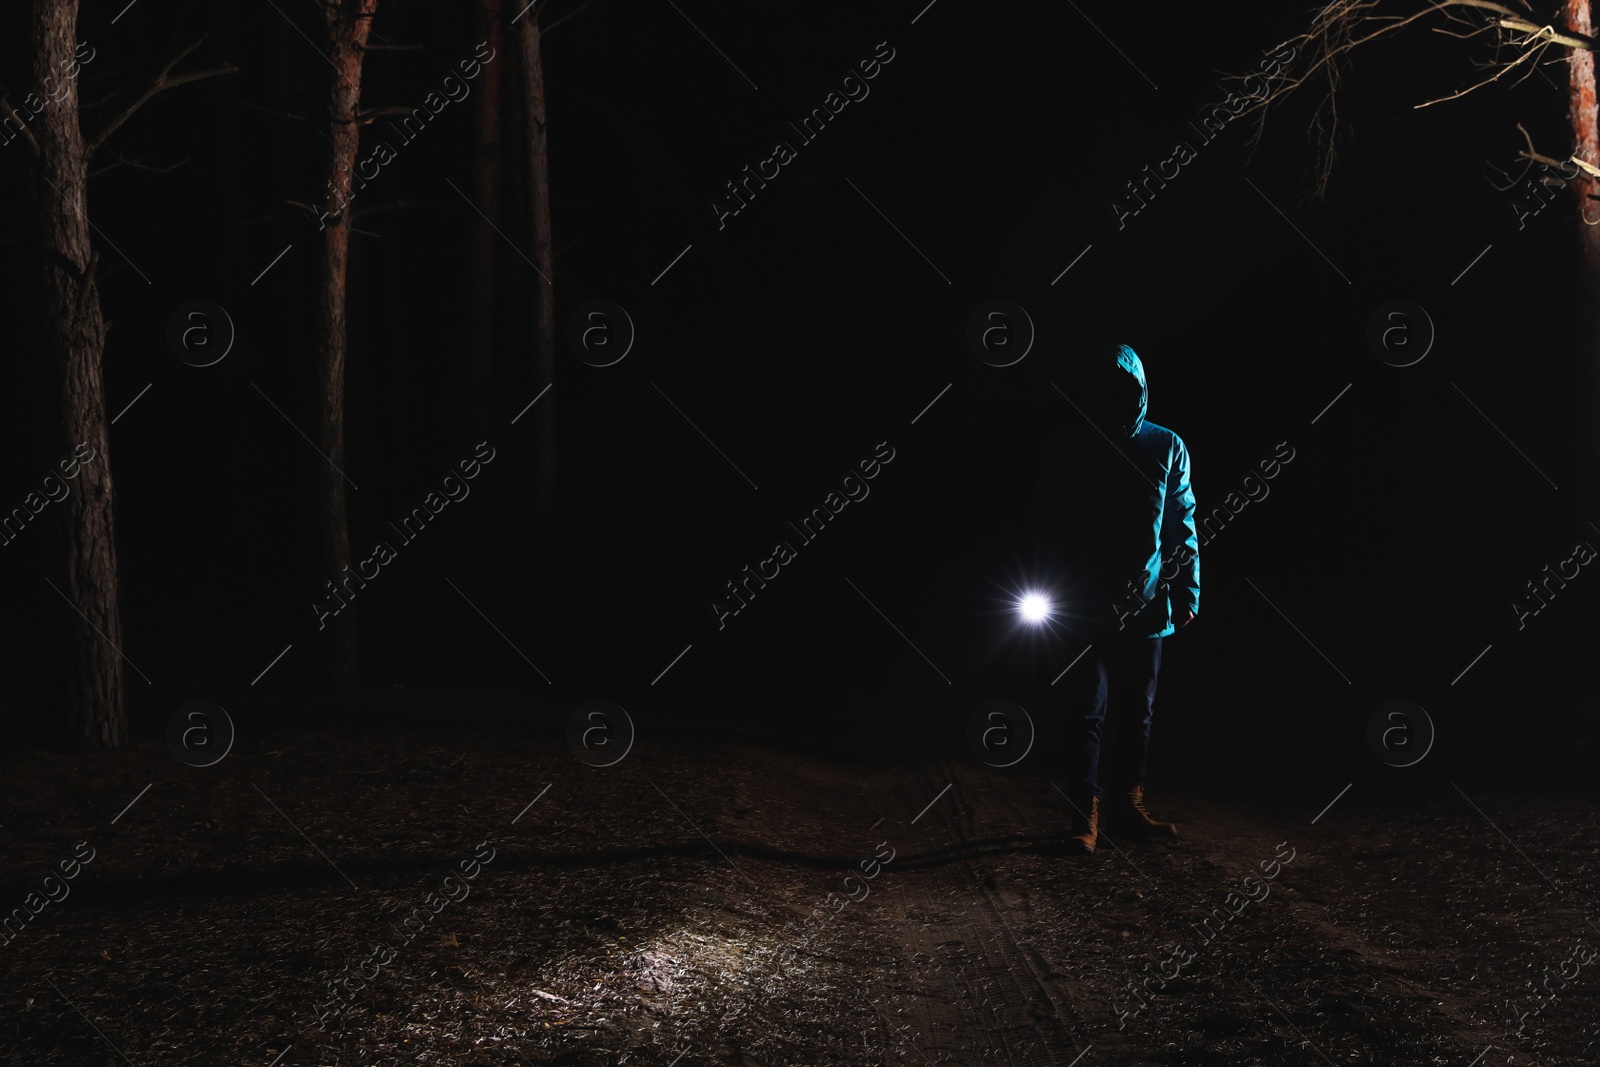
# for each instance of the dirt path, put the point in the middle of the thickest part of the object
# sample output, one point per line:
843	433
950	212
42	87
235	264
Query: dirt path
997	947
656	912
975	988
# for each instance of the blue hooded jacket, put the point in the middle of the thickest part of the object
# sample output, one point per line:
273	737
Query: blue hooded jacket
1113	511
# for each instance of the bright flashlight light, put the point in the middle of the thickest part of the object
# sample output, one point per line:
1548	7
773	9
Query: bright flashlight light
1034	607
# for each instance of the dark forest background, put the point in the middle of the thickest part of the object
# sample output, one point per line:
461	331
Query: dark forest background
806	331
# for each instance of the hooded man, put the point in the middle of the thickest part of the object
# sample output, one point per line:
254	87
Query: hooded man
1114	525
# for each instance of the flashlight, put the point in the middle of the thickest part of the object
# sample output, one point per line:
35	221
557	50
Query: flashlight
1034	607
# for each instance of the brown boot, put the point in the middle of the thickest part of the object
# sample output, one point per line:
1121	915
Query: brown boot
1085	825
1127	815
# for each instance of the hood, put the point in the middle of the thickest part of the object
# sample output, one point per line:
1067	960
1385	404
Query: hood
1115	392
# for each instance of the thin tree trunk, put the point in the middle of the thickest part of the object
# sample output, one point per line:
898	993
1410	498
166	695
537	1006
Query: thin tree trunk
348	22
544	362
482	279
96	712
1585	123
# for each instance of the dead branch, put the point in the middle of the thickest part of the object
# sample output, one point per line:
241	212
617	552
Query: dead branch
1528	154
1348	25
575	11
1549	161
163	80
1584	165
557	253
1496	76
85	105
1549	31
124	161
6	109
371	115
311	213
289	115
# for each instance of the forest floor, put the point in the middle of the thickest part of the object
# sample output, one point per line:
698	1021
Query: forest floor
655	912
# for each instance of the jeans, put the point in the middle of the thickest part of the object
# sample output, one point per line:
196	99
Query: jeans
1122	672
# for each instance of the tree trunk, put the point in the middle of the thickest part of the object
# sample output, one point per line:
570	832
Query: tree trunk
1585	138
96	713
544	362
348	22
482	279
1582	116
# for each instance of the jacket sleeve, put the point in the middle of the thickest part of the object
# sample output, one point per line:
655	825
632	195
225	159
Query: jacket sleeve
1179	541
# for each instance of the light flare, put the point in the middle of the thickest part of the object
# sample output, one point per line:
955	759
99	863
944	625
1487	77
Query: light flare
1034	607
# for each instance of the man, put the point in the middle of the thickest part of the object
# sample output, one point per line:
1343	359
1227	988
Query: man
1114	521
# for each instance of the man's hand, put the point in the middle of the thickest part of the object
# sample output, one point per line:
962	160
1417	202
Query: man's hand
1185	617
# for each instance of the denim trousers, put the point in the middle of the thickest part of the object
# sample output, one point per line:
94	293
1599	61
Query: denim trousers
1120	685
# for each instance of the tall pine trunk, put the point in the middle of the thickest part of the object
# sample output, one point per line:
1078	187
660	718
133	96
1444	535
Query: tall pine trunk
482	246
348	22
1585	123
1585	139
544	360
96	713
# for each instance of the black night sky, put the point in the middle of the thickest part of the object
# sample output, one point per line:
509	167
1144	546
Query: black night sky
775	347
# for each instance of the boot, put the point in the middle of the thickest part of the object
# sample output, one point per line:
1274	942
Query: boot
1128	815
1085	825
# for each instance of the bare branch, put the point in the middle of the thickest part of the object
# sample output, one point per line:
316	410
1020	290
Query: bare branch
1347	25
163	81
1533	157
368	117
6	109
291	116
85	105
1592	170
136	165
1510	181
310	212
1549	32
557	253
1496	76
1526	154
575	11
